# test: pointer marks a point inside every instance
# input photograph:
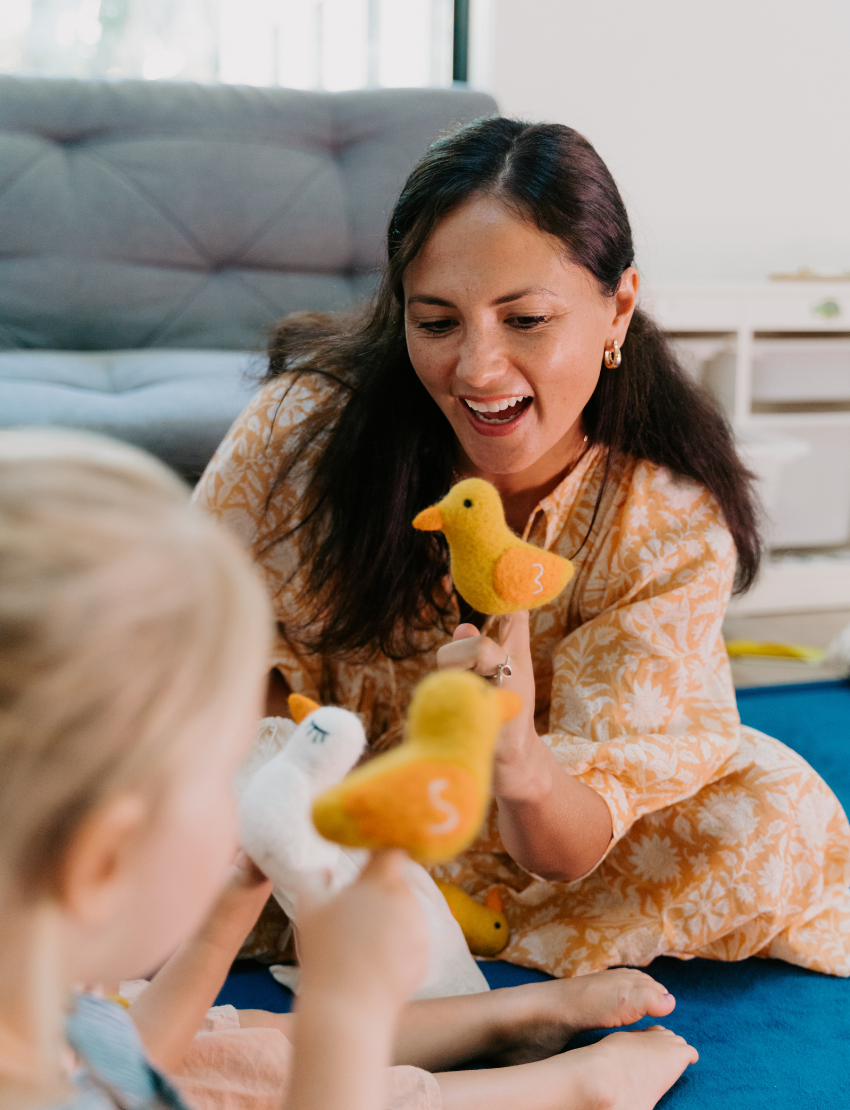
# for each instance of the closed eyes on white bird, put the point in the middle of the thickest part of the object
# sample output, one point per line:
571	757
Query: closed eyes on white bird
317	735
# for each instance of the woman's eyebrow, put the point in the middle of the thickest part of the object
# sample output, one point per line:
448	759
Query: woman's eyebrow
508	297
424	298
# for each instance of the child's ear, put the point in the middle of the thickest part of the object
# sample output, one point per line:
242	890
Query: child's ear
96	861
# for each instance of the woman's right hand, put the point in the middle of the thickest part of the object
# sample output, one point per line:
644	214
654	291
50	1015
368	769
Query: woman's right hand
370	942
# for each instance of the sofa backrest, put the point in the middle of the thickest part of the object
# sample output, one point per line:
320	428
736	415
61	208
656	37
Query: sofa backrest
137	214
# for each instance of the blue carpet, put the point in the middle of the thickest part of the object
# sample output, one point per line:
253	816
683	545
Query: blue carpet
770	1036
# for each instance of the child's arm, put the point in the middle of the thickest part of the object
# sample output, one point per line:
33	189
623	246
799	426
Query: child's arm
362	956
170	1011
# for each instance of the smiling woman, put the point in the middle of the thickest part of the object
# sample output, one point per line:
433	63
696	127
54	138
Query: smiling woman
505	343
518	367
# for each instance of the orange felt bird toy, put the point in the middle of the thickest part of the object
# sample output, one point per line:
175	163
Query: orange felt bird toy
493	569
430	794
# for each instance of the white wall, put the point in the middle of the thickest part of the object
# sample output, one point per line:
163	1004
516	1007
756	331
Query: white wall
726	123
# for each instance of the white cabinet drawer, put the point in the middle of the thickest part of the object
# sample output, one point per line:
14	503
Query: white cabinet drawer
816	369
812	504
775	306
799	311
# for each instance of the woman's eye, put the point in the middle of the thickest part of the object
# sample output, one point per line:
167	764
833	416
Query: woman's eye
526	323
435	327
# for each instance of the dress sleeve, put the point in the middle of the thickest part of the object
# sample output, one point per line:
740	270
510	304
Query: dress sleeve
643	707
240	484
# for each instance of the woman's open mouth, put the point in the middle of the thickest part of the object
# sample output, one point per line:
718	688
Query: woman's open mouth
497	417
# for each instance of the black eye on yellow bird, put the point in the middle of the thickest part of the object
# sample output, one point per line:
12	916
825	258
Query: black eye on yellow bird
467	503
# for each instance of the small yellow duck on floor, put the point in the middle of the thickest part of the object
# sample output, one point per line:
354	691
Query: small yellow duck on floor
493	569
484	927
430	794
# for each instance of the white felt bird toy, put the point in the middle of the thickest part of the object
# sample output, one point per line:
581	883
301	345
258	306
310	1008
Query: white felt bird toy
275	834
279	835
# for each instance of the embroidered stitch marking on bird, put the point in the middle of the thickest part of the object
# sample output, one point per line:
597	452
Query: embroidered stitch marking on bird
492	568
452	818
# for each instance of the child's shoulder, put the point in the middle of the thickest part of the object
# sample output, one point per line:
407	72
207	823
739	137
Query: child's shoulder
114	1070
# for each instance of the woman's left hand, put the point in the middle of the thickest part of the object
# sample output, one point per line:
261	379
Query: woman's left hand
470	650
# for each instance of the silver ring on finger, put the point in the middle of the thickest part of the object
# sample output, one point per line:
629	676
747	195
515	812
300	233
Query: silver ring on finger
503	671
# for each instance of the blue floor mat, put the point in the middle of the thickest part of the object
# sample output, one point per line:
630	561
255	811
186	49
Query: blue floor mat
770	1036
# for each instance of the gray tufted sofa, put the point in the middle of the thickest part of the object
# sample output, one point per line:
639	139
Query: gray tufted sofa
150	233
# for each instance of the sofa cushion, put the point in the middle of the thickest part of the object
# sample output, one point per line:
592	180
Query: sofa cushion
148	214
177	404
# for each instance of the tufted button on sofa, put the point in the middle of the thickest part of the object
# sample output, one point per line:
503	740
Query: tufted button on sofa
151	232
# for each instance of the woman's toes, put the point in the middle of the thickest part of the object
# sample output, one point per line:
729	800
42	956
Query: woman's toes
646	998
659	1003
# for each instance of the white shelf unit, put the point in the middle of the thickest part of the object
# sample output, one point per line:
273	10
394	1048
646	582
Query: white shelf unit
777	356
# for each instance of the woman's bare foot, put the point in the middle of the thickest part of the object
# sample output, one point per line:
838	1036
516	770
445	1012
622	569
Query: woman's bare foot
537	1019
624	1071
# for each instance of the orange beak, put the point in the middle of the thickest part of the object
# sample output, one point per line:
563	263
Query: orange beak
430	519
510	703
300	706
493	901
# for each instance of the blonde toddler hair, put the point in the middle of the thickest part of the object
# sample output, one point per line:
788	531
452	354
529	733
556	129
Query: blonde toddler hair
123	612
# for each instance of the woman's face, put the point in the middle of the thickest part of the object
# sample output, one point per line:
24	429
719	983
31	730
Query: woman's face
498	318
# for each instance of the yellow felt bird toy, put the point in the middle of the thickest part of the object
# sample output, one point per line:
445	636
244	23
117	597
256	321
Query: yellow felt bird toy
493	569
485	927
430	794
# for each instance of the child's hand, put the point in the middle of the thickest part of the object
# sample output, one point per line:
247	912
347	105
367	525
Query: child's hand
238	906
247	879
369	943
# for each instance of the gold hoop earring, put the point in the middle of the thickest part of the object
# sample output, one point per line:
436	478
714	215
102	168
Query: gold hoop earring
614	356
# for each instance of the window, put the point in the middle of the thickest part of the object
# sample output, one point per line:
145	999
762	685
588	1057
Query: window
305	44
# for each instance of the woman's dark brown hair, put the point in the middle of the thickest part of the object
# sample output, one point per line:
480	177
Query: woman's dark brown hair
374	583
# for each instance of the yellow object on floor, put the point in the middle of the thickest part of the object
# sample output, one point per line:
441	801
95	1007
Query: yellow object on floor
739	648
485	927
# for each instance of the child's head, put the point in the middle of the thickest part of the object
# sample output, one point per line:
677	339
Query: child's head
133	644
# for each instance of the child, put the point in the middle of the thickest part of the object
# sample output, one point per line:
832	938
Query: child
133	639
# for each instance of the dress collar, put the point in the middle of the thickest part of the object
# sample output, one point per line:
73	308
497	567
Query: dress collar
556	505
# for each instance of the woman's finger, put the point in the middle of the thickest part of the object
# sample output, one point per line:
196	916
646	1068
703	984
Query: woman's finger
473	653
515	636
466	632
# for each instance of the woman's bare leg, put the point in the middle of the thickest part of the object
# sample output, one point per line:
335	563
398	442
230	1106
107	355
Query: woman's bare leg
530	1022
625	1071
514	1025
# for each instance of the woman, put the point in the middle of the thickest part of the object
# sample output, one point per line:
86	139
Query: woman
634	816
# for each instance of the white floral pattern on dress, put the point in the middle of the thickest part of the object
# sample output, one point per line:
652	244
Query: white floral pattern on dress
726	843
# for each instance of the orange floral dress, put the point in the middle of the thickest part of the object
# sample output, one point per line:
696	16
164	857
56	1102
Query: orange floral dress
726	843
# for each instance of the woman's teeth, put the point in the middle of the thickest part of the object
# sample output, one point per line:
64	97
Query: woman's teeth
508	405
